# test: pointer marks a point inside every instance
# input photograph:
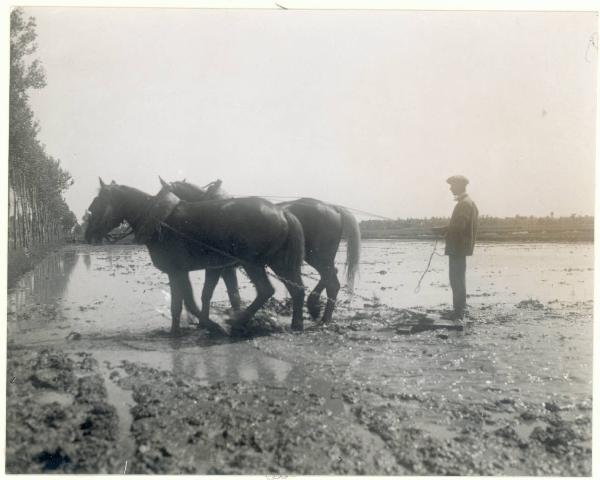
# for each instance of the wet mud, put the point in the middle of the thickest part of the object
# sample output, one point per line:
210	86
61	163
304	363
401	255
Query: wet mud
58	416
97	385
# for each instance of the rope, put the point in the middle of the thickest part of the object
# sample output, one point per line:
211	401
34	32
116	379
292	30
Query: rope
291	198
289	282
418	287
274	275
239	260
225	254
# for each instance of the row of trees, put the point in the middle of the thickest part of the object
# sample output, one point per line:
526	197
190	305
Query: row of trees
519	221
518	228
37	210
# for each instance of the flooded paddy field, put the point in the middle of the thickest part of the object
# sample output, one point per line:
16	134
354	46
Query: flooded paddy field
95	383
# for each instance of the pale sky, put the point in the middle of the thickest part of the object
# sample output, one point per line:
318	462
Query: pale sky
371	110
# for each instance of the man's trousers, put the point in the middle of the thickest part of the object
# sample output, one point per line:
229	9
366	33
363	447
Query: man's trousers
458	270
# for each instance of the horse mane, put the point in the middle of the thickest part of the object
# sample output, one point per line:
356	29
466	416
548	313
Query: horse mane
191	192
188	188
118	186
115	186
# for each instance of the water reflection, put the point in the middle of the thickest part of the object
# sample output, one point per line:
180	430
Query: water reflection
48	281
87	260
181	365
231	362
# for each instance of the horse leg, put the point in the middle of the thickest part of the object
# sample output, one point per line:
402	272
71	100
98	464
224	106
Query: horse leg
211	278
332	288
176	302
233	291
264	291
313	303
293	282
190	304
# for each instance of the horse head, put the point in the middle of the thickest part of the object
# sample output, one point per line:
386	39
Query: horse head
104	213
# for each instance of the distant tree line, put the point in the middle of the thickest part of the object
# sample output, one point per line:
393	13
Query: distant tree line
570	228
37	210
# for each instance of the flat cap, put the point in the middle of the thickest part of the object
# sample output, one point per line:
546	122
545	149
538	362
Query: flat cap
457	180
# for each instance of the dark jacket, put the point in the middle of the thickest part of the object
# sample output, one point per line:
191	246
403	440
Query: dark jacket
462	229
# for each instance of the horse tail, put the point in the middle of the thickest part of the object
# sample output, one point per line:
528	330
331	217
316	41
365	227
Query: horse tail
294	245
351	232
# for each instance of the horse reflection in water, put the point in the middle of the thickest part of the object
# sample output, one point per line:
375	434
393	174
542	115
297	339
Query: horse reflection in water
229	367
183	236
87	260
324	226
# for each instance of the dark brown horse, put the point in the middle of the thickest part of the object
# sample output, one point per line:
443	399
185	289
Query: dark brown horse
324	225
182	236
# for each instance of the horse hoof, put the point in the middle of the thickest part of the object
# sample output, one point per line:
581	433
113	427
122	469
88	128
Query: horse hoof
176	332
297	327
313	307
314	312
238	324
214	328
239	331
238	318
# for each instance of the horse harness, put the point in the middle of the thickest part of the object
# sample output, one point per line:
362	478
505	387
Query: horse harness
153	220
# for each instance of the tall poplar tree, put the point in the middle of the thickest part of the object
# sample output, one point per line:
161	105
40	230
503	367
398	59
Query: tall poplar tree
38	212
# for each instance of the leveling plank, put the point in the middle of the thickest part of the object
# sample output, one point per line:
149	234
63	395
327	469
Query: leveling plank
407	329
422	322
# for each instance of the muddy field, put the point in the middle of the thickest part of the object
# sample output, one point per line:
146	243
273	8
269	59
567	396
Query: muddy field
95	384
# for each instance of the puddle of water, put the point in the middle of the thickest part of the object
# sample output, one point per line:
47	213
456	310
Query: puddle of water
494	272
239	362
122	400
524	429
437	431
50	396
116	288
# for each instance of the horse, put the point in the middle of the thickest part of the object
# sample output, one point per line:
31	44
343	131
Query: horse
324	225
181	237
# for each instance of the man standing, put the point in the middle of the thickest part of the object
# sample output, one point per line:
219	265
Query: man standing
460	240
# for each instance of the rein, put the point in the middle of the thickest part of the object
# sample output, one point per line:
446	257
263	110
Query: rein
269	273
203	244
234	259
418	287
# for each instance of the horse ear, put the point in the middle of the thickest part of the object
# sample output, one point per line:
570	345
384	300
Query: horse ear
163	183
102	184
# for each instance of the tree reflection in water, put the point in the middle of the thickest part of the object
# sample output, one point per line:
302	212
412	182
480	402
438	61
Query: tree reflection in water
48	281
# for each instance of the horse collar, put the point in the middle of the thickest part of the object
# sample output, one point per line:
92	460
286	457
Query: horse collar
162	206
